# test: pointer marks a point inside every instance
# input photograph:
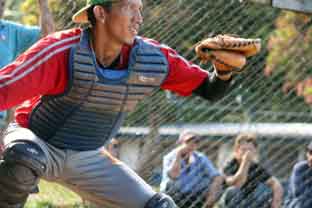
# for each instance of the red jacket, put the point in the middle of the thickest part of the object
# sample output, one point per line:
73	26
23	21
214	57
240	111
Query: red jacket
43	70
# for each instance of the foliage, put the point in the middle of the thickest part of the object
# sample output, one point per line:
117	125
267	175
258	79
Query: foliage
27	12
12	11
290	48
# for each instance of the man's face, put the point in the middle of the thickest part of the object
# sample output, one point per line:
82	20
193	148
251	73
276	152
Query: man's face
2	6
309	157
192	144
124	20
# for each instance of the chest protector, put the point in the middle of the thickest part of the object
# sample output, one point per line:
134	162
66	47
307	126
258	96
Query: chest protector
91	110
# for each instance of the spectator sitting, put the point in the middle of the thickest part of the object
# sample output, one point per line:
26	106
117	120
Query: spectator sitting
189	176
301	182
248	181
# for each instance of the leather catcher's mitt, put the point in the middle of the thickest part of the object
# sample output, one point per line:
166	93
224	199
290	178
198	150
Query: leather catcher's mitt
227	53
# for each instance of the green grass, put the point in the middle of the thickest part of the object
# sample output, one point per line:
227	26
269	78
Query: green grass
54	196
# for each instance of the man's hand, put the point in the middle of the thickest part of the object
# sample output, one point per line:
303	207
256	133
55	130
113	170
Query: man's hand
46	18
182	151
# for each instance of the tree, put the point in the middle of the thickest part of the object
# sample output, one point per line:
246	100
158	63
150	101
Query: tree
290	49
62	12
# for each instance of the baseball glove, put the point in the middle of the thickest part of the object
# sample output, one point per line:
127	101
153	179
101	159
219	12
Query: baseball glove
227	53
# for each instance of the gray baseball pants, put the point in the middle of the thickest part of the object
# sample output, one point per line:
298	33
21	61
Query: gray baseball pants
95	175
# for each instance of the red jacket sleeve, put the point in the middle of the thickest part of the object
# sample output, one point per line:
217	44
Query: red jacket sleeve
41	70
183	76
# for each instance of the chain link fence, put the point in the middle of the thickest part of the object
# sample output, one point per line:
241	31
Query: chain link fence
271	98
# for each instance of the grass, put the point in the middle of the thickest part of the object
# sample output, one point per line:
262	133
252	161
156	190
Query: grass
54	196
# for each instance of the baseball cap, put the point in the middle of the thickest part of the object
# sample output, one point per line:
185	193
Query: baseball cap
82	17
187	136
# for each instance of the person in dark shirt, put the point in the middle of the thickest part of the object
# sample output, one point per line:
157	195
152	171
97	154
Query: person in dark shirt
300	191
249	184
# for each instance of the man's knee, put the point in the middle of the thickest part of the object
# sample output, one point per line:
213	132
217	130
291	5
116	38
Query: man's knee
28	154
22	165
160	200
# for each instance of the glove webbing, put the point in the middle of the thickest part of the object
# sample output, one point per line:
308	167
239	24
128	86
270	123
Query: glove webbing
224	45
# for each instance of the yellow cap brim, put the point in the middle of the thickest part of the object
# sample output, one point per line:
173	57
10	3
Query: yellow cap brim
81	16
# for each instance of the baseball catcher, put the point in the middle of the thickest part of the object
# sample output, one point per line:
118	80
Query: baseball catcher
227	53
